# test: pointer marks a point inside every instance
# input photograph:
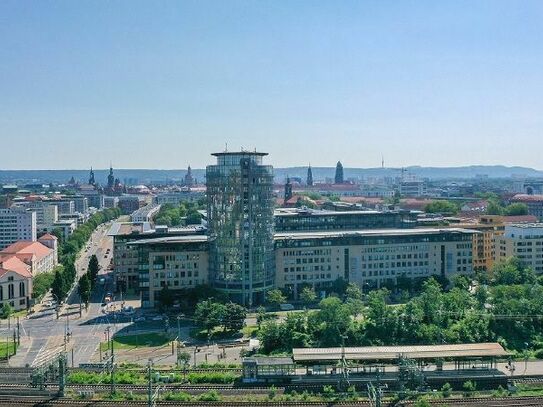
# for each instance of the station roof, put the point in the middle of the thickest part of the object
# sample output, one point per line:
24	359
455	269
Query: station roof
394	352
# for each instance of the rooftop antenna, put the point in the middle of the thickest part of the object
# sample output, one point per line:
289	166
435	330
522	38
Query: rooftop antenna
225	147
382	161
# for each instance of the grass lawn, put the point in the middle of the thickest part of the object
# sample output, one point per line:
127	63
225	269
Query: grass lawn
4	348
217	333
249	331
137	341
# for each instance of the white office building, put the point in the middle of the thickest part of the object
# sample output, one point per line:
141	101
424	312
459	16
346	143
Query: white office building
16	224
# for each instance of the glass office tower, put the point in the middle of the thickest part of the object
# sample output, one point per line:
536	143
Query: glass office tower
240	225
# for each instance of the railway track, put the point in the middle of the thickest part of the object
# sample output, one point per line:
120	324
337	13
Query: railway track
473	402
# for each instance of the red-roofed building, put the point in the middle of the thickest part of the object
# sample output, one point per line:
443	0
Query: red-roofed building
37	255
15	282
533	202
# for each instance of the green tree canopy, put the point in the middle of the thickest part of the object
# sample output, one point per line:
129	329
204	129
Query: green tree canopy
442	207
275	297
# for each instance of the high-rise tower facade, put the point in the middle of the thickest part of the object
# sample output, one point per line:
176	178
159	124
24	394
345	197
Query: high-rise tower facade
240	225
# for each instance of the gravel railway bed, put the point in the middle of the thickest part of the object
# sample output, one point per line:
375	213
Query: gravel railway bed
473	402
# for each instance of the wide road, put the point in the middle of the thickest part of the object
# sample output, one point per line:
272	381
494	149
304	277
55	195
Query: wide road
43	335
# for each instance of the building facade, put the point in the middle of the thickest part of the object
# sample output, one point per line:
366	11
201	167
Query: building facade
524	241
17	224
371	258
240	219
15	283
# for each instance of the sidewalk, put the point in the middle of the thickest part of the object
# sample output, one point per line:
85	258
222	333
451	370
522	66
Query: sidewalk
21	357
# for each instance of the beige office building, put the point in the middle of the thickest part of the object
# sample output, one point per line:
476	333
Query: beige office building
370	258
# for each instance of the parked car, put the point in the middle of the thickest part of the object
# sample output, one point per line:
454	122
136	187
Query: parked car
286	307
139	319
158	318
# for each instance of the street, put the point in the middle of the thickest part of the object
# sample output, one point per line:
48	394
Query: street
43	335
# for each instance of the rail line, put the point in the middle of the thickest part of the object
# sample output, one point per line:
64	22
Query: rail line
468	402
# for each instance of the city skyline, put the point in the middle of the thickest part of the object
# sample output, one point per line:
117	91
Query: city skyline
149	85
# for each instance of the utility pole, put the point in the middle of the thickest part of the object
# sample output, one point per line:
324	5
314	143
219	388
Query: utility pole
18	331
61	374
112	368
149	384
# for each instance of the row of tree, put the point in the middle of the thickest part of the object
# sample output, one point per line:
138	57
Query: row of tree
65	276
88	280
495	207
503	306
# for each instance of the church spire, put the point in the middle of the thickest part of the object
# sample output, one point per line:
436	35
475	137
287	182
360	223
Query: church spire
309	180
92	181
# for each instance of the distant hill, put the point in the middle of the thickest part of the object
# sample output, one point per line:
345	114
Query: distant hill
145	176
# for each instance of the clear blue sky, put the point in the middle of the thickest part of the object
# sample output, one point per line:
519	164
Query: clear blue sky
161	84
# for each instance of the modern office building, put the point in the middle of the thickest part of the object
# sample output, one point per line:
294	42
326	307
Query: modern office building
524	241
178	262
17	224
240	220
46	214
369	258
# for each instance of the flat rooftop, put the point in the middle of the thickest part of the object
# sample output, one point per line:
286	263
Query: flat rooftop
239	153
128	228
370	233
465	350
315	212
172	239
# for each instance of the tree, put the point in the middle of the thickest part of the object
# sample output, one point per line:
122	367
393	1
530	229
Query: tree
193	218
260	316
41	283
93	268
353	292
494	208
85	289
57	288
7	310
516	209
208	315
165	297
308	295
233	317
444	207
275	297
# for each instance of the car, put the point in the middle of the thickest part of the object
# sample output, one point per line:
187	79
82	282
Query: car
101	280
157	318
286	307
49	304
139	319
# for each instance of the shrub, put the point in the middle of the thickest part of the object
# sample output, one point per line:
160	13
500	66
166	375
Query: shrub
211	395
469	388
446	390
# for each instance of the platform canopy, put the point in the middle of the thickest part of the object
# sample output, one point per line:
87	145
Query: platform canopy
465	350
